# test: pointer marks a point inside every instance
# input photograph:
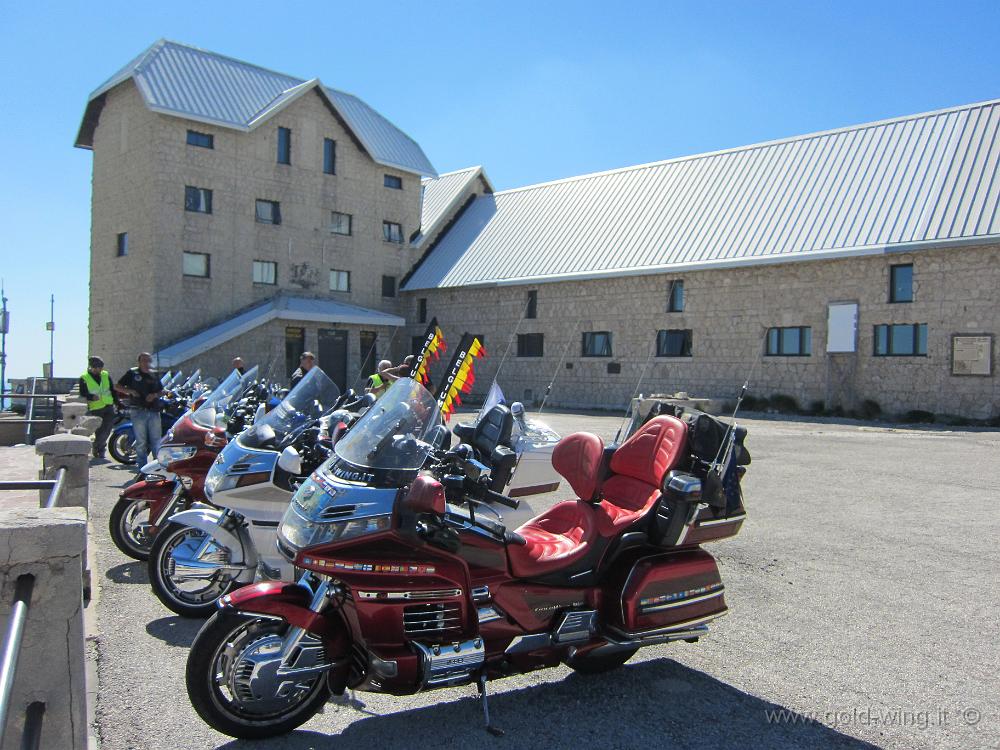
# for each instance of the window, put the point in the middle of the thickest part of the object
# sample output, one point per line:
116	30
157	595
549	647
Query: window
675	296
596	344
392	181
388	286
340	223
196	264
530	345
202	140
422	310
340	281
532	310
268	212
901	283
329	156
673	343
905	340
392	232
284	146
121	244
265	272
794	341
197	199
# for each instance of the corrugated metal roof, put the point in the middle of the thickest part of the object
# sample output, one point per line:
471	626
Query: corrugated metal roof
930	178
281	306
439	195
196	84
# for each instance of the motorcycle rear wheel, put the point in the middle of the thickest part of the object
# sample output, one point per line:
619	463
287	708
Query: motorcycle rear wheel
221	692
598	663
121	446
128	528
190	601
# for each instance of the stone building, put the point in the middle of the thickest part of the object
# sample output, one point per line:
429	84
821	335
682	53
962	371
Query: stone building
852	265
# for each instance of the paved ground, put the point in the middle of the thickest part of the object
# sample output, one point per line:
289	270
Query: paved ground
864	589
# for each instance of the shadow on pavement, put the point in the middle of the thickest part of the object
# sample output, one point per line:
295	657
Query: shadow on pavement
130	572
174	630
650	704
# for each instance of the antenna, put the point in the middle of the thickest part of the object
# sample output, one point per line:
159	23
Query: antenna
555	374
510	341
361	369
638	385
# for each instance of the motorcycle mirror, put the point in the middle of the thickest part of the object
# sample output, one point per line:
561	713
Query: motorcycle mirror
290	461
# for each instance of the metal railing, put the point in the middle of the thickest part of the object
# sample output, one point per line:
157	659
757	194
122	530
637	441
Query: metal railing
11	648
29	419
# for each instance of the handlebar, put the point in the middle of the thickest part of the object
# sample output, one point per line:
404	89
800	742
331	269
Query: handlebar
496	497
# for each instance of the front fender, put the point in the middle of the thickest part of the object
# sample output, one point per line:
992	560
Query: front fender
155	490
209	520
122	427
290	602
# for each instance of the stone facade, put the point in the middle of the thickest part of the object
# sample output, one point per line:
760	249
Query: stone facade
728	312
142	164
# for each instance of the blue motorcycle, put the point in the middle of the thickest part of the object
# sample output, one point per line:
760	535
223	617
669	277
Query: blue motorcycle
121	441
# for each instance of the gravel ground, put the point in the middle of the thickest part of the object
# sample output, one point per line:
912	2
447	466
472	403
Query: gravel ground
864	592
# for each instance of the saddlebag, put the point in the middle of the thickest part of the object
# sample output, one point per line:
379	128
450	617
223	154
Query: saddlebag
671	590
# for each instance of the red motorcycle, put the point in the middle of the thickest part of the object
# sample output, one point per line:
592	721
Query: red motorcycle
412	582
186	453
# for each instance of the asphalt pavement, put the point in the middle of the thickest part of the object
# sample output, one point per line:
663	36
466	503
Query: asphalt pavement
864	596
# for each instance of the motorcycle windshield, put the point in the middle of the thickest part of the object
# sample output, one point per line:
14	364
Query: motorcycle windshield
221	398
308	400
166	378
189	383
393	434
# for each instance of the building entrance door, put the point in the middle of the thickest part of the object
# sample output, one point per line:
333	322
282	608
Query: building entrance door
333	355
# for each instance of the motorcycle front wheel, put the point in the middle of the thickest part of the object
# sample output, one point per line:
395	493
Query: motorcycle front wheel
229	683
121	446
129	527
188	590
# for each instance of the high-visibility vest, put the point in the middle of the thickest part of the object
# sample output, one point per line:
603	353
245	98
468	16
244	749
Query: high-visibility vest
103	390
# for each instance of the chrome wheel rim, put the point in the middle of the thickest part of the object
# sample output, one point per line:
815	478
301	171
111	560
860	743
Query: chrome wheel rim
134	526
206	586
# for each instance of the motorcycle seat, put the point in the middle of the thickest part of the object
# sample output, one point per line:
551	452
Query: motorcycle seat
554	540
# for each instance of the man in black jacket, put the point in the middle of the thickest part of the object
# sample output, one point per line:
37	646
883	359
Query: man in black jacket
142	386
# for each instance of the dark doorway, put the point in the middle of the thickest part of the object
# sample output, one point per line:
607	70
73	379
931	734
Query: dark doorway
369	353
295	344
333	355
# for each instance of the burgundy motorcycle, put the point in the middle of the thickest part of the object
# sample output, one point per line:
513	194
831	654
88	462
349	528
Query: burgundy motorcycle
412	582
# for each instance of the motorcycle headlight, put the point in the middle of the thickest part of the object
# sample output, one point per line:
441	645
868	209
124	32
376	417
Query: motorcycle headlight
298	532
170	453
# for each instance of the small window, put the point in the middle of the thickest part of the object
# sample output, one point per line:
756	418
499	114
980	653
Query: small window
416	342
532	309
284	146
901	283
901	340
422	310
201	140
388	286
675	296
392	181
530	345
596	344
792	341
268	212
340	281
197	264
197	199
340	223
673	343
329	156
392	232
121	244
265	272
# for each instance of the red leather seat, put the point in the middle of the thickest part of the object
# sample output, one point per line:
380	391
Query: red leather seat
559	537
638	467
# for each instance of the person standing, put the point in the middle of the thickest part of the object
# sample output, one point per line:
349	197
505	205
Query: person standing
95	389
143	388
306	363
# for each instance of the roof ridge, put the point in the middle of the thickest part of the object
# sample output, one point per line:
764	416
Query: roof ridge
455	171
752	146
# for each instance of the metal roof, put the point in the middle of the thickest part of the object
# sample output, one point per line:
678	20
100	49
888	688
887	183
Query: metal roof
279	307
924	180
439	195
184	81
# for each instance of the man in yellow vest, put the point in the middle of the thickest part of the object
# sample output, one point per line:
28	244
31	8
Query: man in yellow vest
95	388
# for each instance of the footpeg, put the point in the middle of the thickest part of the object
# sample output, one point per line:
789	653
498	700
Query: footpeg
484	698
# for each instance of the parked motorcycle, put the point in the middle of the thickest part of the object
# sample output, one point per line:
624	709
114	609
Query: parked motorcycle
206	551
409	586
185	455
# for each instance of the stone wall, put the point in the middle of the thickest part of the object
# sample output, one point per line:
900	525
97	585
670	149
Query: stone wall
728	311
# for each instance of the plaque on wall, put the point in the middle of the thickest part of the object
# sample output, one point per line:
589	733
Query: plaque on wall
971	354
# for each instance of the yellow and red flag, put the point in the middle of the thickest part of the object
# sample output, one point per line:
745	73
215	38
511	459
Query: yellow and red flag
430	351
460	376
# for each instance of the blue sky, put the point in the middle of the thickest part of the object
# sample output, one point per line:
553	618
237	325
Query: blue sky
533	91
